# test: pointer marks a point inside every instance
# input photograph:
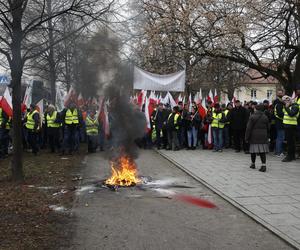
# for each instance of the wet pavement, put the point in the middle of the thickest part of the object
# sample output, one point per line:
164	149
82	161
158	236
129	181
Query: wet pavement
151	216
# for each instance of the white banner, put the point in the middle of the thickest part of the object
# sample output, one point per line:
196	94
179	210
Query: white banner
148	81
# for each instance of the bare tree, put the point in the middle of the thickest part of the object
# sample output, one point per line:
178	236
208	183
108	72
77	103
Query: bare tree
22	25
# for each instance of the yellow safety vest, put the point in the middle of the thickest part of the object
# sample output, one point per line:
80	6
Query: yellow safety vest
288	120
216	120
51	120
176	116
275	113
30	121
7	126
226	113
92	126
71	118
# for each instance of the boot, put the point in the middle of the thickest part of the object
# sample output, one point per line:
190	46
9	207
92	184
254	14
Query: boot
263	169
252	166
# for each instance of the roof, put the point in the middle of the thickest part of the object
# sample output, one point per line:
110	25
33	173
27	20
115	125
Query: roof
253	76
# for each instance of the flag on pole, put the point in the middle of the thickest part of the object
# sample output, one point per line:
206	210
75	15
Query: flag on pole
28	96
141	98
200	95
190	103
216	97
80	100
202	109
147	115
6	103
210	96
71	96
172	101
59	102
294	95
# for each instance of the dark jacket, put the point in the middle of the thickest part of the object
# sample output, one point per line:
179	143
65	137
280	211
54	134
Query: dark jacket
159	118
193	121
258	127
278	109
238	118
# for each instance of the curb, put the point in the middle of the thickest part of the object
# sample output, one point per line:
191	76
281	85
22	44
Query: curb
274	230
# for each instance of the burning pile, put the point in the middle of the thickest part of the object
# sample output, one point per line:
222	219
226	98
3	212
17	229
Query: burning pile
124	173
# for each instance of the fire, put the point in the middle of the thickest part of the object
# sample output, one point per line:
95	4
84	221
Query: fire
124	173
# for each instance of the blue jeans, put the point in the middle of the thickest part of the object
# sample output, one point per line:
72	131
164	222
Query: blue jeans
279	140
218	138
192	137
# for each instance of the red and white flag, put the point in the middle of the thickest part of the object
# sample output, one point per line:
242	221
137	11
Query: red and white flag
28	96
6	103
147	115
80	100
210	96
216	97
141	98
294	95
70	97
202	109
190	103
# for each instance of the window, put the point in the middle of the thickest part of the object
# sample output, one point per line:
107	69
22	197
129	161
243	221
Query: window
253	93
269	94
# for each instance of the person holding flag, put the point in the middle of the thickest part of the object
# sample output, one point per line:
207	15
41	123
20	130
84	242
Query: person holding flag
32	124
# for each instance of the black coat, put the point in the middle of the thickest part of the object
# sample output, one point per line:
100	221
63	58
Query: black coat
258	127
193	122
238	118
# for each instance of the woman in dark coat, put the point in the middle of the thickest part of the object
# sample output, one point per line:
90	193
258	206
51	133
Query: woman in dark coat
257	135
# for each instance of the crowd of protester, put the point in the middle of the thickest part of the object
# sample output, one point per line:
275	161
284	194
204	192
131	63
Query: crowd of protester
59	132
251	127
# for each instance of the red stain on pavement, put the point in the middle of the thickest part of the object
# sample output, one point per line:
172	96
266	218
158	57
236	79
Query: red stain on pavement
196	201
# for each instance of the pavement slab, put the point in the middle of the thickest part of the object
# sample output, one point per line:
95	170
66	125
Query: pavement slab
149	217
271	198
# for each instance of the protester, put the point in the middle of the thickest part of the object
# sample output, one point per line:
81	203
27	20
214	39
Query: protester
227	130
238	121
278	114
193	125
173	125
92	131
53	124
290	122
4	133
72	119
32	124
217	124
257	135
159	119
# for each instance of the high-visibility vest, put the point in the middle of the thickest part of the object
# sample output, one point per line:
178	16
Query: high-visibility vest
51	120
92	126
275	113
216	120
30	121
176	116
226	113
290	120
71	118
7	126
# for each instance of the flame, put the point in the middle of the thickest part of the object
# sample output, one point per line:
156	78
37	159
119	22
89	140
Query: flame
124	173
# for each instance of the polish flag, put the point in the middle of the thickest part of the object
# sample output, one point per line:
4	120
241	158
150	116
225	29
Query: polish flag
147	114
6	103
197	98
210	96
141	98
28	96
71	96
172	101
190	103
179	98
202	109
80	100
216	97
294	95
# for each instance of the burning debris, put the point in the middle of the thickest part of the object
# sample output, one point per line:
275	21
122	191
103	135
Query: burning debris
124	173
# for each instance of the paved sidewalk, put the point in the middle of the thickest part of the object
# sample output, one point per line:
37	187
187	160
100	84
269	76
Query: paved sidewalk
271	198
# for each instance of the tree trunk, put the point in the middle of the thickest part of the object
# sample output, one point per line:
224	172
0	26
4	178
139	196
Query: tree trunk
51	60
16	66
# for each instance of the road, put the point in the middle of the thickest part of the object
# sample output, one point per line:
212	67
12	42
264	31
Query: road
149	218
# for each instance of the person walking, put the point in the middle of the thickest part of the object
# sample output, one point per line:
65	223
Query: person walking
217	124
238	121
158	120
193	125
257	132
53	124
92	131
32	124
290	122
278	114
